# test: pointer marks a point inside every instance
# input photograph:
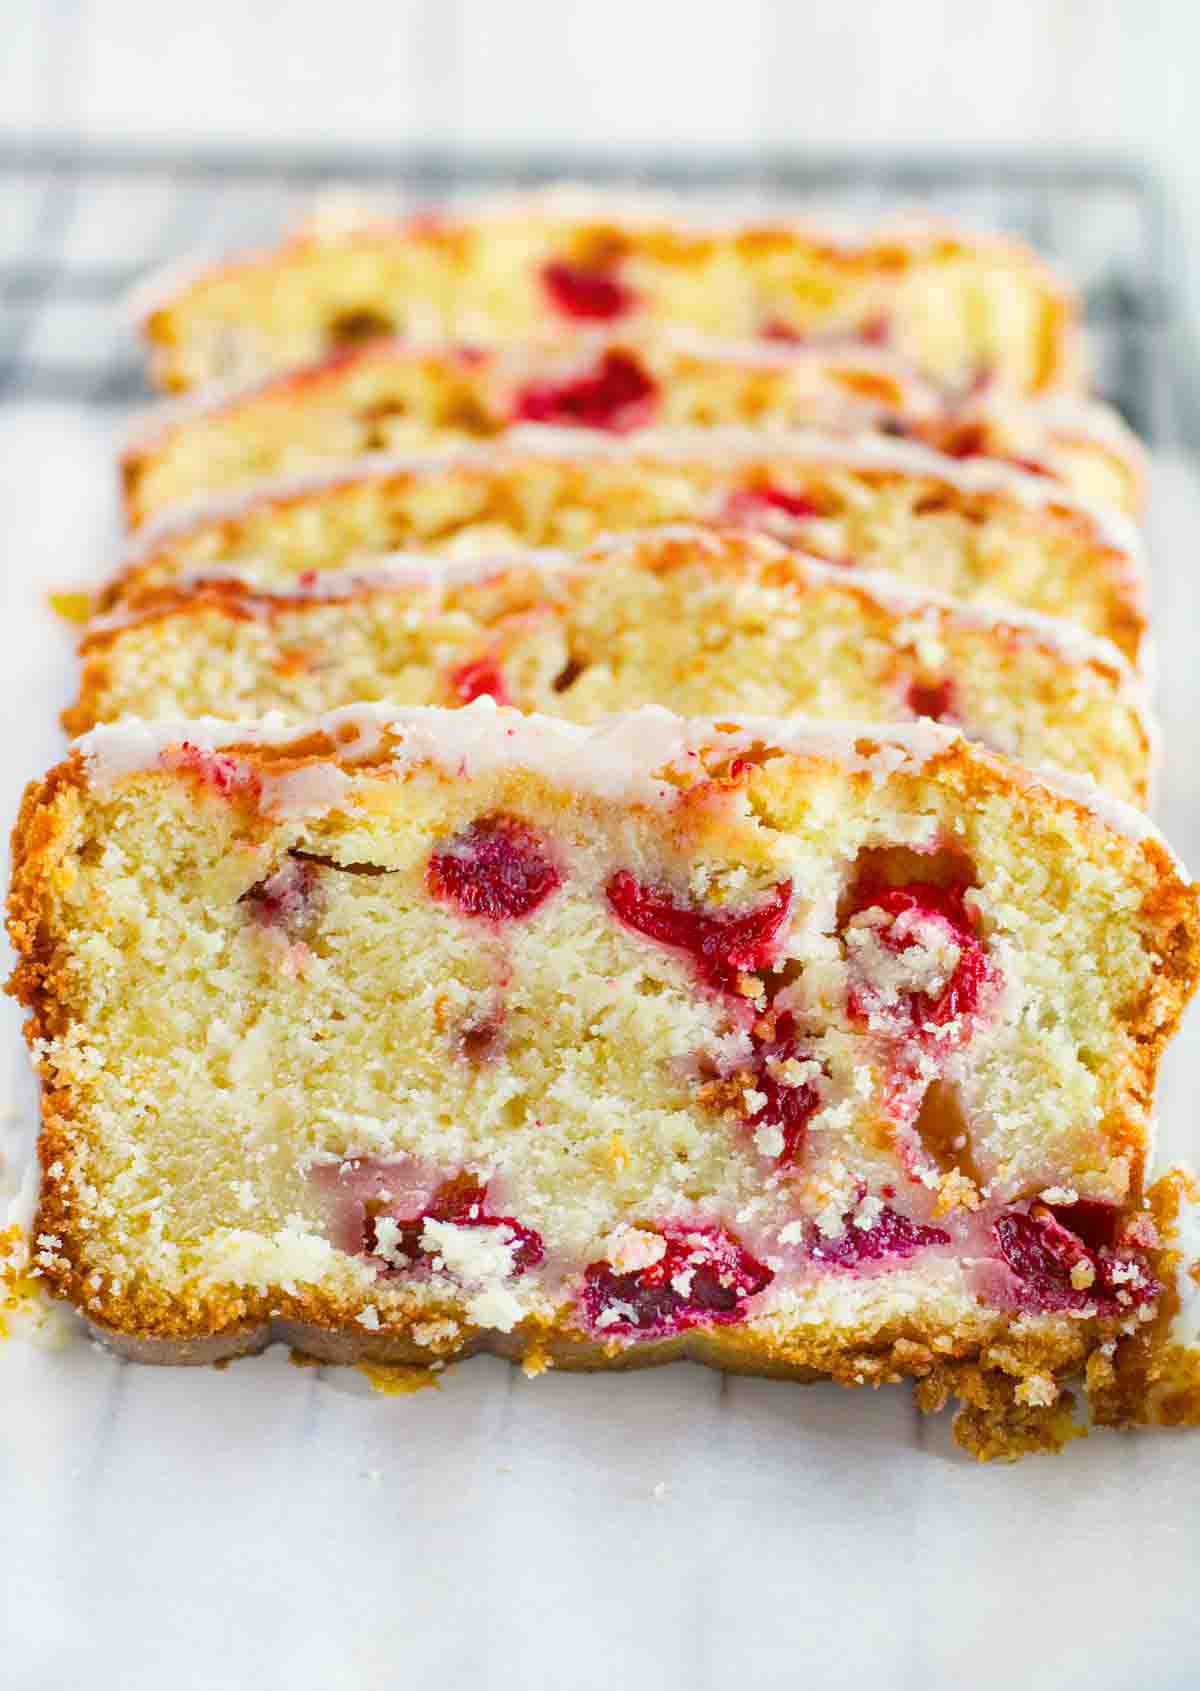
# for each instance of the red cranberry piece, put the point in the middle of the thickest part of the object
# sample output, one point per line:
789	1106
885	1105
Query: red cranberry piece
934	699
1095	1222
497	869
1057	1271
962	440
722	944
595	292
789	1108
479	678
285	899
704	1277
617	395
759	504
911	907
889	1235
875	331
778	329
462	1202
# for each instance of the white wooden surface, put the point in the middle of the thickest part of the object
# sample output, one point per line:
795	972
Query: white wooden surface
265	1527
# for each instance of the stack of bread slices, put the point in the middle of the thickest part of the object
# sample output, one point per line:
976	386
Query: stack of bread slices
607	823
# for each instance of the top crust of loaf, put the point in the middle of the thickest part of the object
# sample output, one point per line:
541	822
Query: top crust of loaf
632	757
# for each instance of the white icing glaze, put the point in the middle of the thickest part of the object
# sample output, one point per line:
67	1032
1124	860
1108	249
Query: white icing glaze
618	758
739	446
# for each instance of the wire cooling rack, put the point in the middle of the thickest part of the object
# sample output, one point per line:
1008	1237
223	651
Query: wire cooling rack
80	223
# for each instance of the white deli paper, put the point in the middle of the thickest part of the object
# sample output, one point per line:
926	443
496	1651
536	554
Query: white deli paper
268	1526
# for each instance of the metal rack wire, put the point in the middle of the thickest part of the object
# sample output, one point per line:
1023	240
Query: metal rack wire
79	223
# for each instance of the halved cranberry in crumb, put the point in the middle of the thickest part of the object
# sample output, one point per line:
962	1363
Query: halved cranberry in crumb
479	678
1098	1224
791	1101
595	292
934	699
898	939
751	505
463	1202
617	395
704	1277
777	329
889	1234
723	944
1057	1271
498	869
285	899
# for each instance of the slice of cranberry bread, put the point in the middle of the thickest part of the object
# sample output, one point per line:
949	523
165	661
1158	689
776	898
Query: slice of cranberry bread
397	396
701	620
959	305
807	1049
978	530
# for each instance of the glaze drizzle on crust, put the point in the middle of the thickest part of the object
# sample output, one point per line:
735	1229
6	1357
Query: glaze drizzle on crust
980	530
956	303
393	395
479	1103
710	620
